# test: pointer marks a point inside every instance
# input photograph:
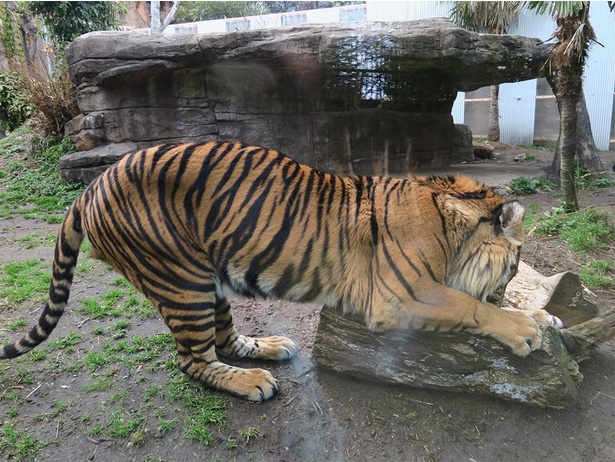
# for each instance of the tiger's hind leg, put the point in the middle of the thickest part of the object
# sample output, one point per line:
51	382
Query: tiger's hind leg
232	344
188	306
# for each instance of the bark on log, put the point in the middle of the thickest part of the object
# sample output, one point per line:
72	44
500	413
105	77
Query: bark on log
469	363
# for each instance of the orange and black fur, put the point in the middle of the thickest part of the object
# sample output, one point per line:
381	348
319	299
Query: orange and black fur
187	224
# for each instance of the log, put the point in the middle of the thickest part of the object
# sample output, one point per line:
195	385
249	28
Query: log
464	362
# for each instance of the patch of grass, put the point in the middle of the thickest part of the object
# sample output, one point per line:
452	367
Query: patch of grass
57	408
36	239
31	187
524	185
18	445
38	355
591	228
206	408
16	325
101	384
21	281
599	274
66	342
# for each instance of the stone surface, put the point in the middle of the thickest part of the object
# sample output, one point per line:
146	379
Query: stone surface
463	150
483	151
367	98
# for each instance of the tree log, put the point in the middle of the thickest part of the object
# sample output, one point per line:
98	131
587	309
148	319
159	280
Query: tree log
469	363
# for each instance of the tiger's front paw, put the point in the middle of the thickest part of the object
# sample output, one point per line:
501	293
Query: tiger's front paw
521	332
544	319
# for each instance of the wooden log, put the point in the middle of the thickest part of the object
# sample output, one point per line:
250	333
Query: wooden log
468	363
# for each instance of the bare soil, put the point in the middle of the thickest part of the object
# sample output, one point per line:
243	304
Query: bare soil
317	416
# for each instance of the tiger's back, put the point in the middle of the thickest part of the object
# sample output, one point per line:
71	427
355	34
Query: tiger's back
187	224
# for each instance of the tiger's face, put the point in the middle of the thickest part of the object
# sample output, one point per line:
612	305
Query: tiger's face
489	257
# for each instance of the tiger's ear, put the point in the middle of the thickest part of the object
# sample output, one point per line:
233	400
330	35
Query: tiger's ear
511	221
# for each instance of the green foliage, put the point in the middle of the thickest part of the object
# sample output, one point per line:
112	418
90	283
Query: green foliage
491	17
51	97
591	228
584	179
65	21
32	189
599	274
8	31
14	103
523	185
201	11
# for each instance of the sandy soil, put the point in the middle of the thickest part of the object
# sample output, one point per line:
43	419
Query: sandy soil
317	416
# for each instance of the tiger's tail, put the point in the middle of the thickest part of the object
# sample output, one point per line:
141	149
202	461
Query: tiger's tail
70	237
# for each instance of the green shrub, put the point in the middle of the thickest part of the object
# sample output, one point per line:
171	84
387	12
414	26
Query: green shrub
14	102
523	185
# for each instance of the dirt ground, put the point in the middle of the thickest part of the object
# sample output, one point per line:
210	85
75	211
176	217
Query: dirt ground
317	416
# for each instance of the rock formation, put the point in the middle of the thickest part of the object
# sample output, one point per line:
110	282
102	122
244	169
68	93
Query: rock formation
368	98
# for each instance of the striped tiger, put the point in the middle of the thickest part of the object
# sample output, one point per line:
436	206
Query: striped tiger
188	224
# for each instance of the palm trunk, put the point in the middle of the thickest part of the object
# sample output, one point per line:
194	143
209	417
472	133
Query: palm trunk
568	148
494	115
587	154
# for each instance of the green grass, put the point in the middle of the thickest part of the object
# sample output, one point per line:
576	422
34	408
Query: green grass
57	408
599	274
20	281
36	239
65	343
110	305
99	384
17	445
588	229
16	325
32	188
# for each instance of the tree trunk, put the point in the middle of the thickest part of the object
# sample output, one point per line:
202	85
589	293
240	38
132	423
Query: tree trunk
587	154
29	38
568	146
494	115
154	27
567	88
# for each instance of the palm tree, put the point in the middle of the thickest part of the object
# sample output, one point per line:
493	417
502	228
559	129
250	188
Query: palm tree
492	18
573	36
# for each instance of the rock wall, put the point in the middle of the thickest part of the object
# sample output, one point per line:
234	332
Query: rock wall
366	98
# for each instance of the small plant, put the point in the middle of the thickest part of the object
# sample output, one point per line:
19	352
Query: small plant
38	355
122	425
251	434
523	185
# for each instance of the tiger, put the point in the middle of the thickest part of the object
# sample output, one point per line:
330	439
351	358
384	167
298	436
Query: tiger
188	224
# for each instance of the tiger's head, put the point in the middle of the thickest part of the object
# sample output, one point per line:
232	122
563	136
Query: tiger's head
489	234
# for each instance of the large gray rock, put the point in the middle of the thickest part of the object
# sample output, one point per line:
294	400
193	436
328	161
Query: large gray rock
368	98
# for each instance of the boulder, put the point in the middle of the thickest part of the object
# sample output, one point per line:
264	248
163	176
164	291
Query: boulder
463	151
367	98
